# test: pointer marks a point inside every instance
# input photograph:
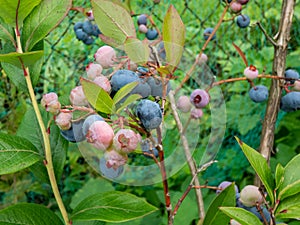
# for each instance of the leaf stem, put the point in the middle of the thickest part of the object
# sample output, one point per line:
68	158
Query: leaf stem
48	155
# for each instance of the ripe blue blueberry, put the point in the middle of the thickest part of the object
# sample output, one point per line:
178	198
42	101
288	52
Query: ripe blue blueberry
88	41
142	19
243	21
87	27
290	102
88	122
74	134
149	113
121	78
259	93
207	32
151	34
142	88
161	50
96	30
78	25
291	74
80	34
156	86
145	145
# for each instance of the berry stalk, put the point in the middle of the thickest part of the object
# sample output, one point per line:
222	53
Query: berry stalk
48	155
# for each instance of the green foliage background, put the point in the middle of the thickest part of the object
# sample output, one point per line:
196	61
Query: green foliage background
65	61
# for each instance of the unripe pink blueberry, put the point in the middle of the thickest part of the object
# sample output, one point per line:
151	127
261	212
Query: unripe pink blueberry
196	113
77	97
126	140
115	159
105	56
243	2
184	104
93	70
143	28
103	82
100	135
202	59
224	185
199	98
251	72
297	85
90	15
63	120
236	7
50	103
250	195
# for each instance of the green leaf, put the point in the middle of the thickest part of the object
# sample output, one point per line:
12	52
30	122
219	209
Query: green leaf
291	183
260	165
44	18
28	214
6	32
289	207
226	198
29	129
17	59
113	20
91	187
138	51
128	101
279	175
124	91
112	207
10	10
96	96
242	216
173	36
16	153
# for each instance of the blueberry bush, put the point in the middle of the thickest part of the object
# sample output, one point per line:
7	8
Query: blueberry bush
133	137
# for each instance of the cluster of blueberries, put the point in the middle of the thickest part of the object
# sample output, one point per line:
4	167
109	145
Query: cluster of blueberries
86	31
151	33
250	199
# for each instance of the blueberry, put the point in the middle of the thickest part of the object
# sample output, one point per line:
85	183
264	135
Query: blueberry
145	145
142	88
96	30
88	122
142	19
228	1
74	134
291	74
80	34
149	113
199	98
151	34
110	173
259	93
256	212
161	50
89	40
243	21
224	185
156	87
78	25
290	102
207	32
141	71
121	78
87	27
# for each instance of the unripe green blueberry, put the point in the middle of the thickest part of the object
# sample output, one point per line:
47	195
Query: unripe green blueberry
50	103
199	98
250	196
93	70
184	104
251	72
63	120
105	56
297	85
100	135
115	159
77	97
103	82
126	140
